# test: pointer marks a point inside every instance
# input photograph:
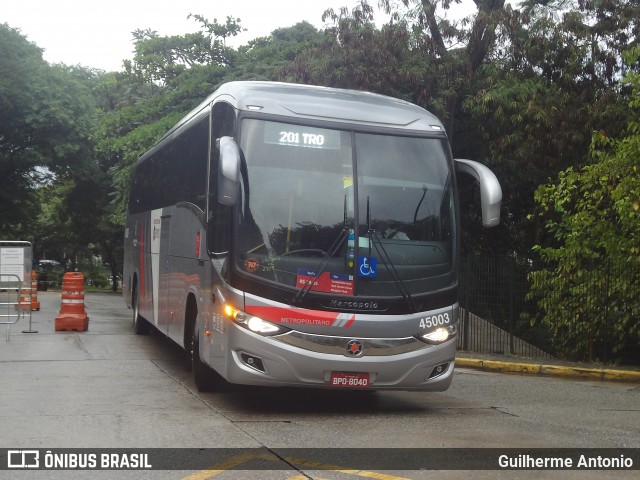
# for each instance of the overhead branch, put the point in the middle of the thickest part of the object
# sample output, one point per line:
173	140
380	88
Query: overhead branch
429	8
483	33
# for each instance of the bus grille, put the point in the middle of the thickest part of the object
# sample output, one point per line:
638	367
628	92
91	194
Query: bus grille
338	345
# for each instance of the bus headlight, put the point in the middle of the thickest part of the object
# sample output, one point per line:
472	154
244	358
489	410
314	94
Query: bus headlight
439	335
255	324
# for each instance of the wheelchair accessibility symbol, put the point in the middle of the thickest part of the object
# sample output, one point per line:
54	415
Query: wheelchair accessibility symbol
367	267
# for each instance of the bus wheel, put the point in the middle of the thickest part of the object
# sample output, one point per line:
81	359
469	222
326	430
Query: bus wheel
140	325
206	380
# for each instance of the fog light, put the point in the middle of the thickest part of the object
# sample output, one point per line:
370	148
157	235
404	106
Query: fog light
439	370
252	361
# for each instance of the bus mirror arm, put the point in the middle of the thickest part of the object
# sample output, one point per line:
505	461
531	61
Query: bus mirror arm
490	190
228	171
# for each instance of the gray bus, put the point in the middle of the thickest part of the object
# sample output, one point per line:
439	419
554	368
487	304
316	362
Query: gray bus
293	235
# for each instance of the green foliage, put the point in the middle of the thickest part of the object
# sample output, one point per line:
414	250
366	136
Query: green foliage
416	56
359	56
45	127
554	80
591	217
267	58
164	59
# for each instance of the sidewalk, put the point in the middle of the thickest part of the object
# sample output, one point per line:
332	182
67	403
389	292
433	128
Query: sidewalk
546	367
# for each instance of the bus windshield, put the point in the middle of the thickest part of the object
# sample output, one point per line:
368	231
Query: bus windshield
343	212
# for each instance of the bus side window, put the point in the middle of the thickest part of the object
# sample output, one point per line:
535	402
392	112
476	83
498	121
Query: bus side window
223	117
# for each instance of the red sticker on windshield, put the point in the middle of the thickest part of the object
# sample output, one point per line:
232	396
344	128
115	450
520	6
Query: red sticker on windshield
338	283
251	265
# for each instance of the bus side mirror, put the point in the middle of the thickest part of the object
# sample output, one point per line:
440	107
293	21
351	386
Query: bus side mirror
490	190
228	171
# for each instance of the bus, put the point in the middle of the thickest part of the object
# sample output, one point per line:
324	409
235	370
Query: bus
296	235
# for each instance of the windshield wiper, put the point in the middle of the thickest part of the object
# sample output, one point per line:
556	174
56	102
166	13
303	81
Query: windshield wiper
388	263
337	243
424	194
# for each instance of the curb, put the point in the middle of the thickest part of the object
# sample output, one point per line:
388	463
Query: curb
602	374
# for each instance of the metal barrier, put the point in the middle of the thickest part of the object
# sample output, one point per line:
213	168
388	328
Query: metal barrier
502	312
15	271
496	316
482	336
11	287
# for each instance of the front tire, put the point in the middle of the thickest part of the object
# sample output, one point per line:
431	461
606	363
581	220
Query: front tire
140	325
204	377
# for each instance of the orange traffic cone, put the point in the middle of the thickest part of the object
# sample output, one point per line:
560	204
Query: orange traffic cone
35	304
25	299
72	314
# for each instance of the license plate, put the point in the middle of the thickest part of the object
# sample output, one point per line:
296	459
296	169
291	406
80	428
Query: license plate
349	379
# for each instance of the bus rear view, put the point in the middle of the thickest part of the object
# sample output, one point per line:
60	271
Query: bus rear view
332	243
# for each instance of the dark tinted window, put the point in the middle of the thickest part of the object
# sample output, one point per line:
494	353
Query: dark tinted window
175	173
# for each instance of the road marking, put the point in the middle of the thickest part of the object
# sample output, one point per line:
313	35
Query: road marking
334	468
238	460
222	467
302	477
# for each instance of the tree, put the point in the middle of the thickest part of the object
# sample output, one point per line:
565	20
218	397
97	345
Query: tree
164	59
266	58
52	190
45	127
417	55
589	287
554	79
75	220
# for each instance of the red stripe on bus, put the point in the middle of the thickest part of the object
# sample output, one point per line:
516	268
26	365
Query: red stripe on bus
142	273
297	316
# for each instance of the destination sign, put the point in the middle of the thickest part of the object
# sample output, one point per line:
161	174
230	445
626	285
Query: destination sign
301	136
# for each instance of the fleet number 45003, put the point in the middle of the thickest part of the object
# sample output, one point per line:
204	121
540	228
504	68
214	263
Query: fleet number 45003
435	320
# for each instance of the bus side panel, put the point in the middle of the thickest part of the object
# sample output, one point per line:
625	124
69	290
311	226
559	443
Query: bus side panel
187	265
152	272
138	263
130	273
216	347
129	259
165	277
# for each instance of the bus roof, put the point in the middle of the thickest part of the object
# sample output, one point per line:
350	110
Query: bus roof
349	106
310	102
322	103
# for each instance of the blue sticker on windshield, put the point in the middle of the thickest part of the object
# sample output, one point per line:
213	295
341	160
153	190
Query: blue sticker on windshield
367	267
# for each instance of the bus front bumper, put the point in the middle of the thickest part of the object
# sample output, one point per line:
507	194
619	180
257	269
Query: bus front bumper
258	360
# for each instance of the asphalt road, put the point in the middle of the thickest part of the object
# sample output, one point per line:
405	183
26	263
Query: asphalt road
109	388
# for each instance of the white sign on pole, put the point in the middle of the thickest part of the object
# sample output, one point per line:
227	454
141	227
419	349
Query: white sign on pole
11	263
